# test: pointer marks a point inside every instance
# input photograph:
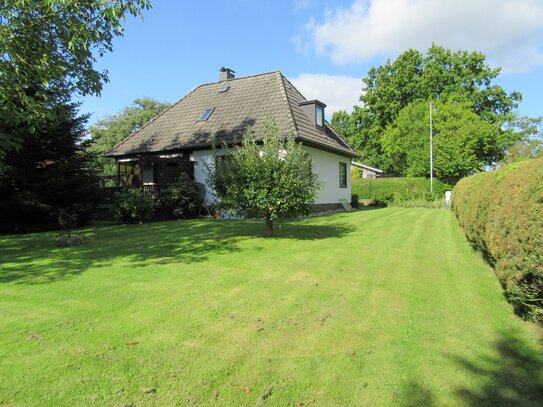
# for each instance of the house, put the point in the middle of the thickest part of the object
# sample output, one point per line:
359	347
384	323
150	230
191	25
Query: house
367	171
182	138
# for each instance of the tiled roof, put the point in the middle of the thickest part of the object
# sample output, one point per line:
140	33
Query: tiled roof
249	101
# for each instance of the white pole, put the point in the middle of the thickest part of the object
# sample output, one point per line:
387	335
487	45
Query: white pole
431	153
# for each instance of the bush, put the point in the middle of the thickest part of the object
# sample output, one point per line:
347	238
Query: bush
181	198
133	206
437	203
501	213
386	191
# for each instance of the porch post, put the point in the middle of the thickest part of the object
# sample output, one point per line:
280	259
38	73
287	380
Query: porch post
117	173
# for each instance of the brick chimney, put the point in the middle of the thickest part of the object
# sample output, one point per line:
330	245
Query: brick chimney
225	74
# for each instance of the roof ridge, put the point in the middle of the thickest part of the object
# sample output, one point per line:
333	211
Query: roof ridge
152	120
241	77
287	100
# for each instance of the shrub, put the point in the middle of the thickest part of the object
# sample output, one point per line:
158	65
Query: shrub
386	191
437	203
501	213
133	206
181	198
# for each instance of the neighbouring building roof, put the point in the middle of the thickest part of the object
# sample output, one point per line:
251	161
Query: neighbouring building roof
248	101
367	167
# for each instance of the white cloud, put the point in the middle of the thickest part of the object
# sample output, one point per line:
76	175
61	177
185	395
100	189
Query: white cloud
336	91
509	32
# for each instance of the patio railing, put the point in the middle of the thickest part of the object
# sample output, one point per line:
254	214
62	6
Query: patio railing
153	191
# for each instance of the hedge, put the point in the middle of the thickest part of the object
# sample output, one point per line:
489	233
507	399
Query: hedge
387	191
501	212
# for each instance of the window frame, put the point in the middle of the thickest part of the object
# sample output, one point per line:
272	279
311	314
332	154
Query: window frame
319	112
342	177
204	116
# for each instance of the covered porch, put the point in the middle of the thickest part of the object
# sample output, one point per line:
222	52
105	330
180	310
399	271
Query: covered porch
153	173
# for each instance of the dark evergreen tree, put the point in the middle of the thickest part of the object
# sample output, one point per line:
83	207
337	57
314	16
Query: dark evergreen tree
48	172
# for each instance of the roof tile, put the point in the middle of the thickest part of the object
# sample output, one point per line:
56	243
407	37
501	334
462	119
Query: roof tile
249	101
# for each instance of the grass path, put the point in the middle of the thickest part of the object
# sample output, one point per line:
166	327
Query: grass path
373	308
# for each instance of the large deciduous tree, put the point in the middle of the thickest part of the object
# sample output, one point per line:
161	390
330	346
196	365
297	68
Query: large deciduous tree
463	141
529	131
273	178
111	130
48	48
440	74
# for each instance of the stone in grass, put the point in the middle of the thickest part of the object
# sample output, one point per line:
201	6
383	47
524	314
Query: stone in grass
264	396
148	390
34	337
69	240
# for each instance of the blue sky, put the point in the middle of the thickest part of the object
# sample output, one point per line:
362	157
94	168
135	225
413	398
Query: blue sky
324	47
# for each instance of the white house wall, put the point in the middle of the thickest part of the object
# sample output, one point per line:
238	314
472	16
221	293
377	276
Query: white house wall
325	164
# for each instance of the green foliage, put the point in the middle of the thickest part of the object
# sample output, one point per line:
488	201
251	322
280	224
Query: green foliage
273	179
414	77
111	130
528	132
356	172
357	130
48	48
438	74
463	142
49	175
501	212
394	191
133	206
181	197
437	203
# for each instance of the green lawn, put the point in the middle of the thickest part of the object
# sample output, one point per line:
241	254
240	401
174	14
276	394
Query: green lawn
373	308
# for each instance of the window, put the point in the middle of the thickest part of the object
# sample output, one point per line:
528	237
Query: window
129	174
319	111
224	88
205	115
342	175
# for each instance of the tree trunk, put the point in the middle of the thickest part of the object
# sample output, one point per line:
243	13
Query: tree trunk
269	224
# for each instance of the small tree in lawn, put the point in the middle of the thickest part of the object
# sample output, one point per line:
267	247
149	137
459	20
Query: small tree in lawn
273	178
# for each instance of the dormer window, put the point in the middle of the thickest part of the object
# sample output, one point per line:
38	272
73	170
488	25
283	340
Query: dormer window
314	110
319	116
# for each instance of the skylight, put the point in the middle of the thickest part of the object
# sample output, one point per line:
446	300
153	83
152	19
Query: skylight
224	88
205	115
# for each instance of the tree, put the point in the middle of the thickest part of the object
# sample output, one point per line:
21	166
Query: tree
111	130
50	175
463	142
48	48
356	128
529	131
273	179
439	75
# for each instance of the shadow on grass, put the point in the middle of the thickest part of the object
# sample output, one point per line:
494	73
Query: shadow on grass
514	378
416	395
31	259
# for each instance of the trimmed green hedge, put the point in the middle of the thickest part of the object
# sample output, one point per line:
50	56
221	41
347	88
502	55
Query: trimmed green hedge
501	212
385	191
